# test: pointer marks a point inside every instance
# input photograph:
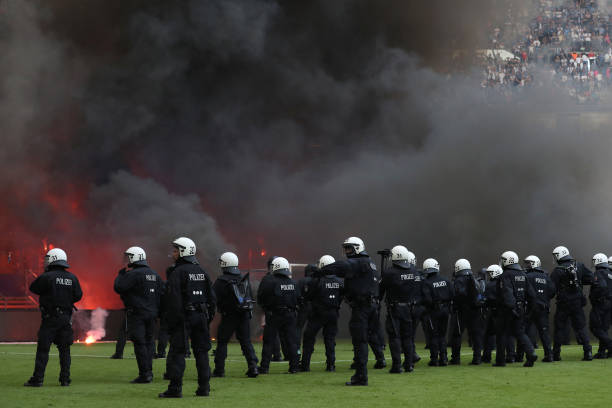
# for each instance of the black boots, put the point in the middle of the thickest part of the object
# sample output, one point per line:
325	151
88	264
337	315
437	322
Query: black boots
357	381
203	391
34	382
530	360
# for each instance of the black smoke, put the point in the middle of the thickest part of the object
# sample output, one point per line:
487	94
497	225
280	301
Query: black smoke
288	125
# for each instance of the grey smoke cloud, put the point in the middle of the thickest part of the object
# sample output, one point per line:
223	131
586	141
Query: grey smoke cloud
297	124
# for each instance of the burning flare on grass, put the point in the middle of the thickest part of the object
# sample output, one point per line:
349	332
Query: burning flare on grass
96	322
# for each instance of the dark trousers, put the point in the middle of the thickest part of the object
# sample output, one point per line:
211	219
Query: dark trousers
271	334
401	334
539	318
58	330
417	316
196	327
423	318
599	323
302	317
280	322
121	336
327	319
376	338
489	334
438	321
239	323
573	312
510	325
364	321
141	330
469	319
162	337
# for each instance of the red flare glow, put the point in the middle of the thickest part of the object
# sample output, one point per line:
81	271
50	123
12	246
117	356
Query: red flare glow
90	340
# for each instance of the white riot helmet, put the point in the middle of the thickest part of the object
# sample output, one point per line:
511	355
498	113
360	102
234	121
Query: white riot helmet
353	246
494	271
280	266
610	260
411	258
400	253
560	252
599	259
509	258
185	246
532	262
325	260
57	257
463	265
228	262
430	265
136	255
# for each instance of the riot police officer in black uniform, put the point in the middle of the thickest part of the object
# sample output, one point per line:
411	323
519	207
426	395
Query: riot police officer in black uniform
401	287
269	331
59	290
305	309
235	303
324	293
190	303
539	309
437	295
140	287
418	311
466	314
513	294
361	290
494	272
569	276
599	319
278	294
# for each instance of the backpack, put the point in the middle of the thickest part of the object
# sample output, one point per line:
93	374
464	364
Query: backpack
572	275
241	288
480	286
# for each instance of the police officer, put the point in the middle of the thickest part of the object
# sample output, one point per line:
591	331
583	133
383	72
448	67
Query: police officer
466	315
494	272
569	276
235	303
278	295
437	295
418	312
59	290
268	331
401	287
305	308
539	309
140	287
513	294
325	295
190	303
599	318
361	290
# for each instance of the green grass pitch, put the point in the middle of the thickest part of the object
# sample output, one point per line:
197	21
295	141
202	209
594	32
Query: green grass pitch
101	382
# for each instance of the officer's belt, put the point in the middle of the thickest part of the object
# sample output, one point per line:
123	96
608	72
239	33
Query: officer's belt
194	307
284	308
55	312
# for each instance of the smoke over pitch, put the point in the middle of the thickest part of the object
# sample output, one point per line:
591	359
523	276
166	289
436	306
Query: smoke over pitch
290	123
